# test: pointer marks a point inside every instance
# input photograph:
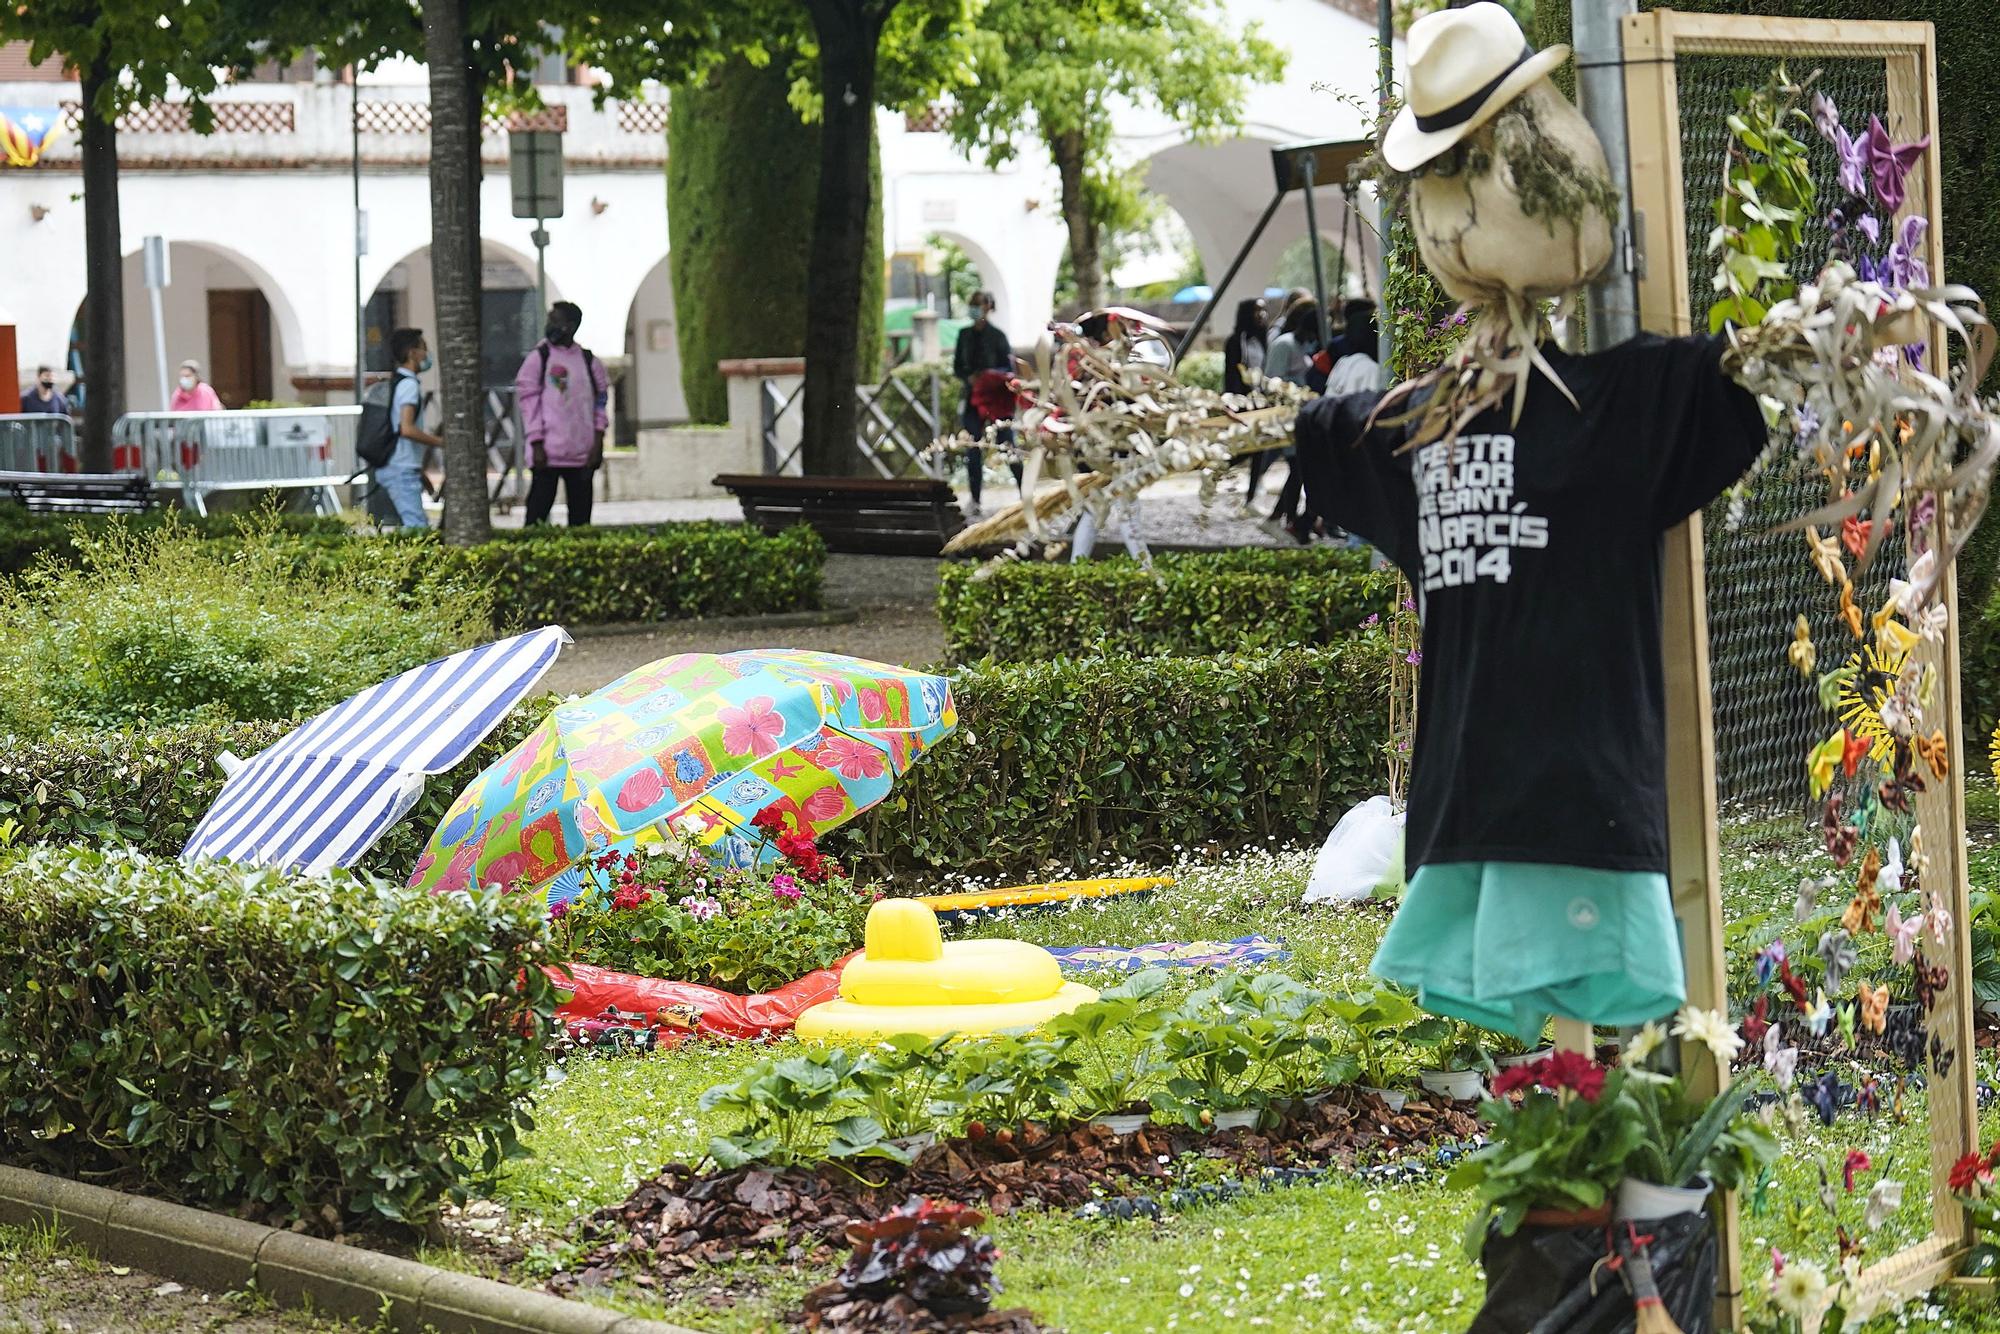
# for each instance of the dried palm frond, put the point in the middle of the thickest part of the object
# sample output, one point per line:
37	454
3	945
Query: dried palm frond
1835	358
1107	424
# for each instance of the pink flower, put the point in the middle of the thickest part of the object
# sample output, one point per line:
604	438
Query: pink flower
753	729
853	759
699	908
824	805
785	889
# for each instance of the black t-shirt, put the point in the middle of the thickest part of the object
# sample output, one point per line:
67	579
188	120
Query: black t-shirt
1537	550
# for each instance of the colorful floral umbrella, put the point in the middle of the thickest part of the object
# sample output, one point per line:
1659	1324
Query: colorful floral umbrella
692	746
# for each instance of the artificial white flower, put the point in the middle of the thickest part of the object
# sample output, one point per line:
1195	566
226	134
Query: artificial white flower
1889	880
1883	1201
1712	1029
1780	1060
1800	1289
1644	1043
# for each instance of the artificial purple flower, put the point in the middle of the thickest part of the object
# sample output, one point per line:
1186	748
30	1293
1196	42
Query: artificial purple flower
1871	227
1853	162
1889	162
1867	270
1905	261
1825	116
1414	656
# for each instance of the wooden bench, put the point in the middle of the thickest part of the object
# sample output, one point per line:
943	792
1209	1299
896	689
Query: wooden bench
77	492
882	516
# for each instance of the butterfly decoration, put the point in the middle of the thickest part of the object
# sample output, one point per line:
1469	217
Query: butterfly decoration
1902	933
1794	984
1899	637
1851	614
1895	792
1824	1094
1801	653
1854	534
1808	899
1826	556
1851	1246
1931	623
1831	684
1820	1016
1838	836
1757	1023
1836	952
1780	1061
1888	163
1913	594
1853	750
1874	1007
1844	1024
1930	979
1768	960
1868	1097
1825	758
1942	1056
1859	919
1889	879
1935	756
1939	919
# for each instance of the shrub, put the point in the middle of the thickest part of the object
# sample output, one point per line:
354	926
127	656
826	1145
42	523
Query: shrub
1054	764
1186	605
594	576
27	537
158	624
236	1037
1061	763
1201	369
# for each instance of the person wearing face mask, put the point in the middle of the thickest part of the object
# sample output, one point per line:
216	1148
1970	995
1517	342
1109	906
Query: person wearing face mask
402	478
562	391
194	394
45	397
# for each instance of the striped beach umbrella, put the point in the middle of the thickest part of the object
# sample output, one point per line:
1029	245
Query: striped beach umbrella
322	796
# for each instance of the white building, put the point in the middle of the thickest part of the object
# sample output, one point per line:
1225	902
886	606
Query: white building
261	215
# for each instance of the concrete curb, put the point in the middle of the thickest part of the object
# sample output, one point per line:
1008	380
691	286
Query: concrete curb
216	1251
780	620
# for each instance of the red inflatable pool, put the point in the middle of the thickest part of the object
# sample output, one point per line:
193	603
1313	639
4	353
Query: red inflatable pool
605	1006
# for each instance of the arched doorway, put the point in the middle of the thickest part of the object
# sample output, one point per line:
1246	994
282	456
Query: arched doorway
650	393
219	309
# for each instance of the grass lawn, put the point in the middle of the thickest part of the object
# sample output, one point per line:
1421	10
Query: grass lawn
1343	1253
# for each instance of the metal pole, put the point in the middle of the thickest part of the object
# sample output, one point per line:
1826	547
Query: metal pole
360	245
1385	85
1216	293
1312	241
1611	306
160	346
541	267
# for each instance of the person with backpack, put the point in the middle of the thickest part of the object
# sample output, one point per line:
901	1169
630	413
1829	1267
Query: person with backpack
561	392
390	443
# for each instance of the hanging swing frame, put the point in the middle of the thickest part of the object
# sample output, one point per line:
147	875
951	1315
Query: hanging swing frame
1652	45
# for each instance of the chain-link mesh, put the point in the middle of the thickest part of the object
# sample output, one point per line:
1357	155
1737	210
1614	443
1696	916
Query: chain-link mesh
1768	716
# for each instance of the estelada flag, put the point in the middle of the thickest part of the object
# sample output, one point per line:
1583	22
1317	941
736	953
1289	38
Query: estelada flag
25	132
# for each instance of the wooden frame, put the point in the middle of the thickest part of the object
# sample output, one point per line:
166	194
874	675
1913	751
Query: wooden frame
1653	42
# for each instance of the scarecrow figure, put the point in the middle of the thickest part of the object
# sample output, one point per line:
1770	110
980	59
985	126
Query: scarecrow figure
1524	491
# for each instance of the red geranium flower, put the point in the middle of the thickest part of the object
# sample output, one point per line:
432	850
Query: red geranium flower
1571	1070
1965	1173
1513	1079
629	897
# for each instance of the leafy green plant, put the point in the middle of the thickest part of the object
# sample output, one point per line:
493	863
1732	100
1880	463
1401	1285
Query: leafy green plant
1240	1043
797	1110
1685	1138
1183	606
249	1038
1015	1078
1112	1037
1766	198
906	1084
1373	1021
159	624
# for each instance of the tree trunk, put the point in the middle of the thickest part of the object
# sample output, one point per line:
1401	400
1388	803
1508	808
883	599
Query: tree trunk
848	32
104	262
455	267
1084	267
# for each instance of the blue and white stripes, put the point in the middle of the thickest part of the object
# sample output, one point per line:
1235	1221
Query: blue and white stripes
324	794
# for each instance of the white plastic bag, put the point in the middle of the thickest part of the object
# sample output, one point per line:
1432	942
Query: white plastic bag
1364	851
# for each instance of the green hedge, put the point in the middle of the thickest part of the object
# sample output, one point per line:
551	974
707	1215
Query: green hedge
570	576
1198	604
25	537
247	1039
1072	762
1053	763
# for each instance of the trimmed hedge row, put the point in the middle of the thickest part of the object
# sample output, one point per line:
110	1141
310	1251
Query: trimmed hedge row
1236	602
571	576
1054	763
25	537
222	1036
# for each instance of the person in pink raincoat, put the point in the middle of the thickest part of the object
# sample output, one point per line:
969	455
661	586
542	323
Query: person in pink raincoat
561	391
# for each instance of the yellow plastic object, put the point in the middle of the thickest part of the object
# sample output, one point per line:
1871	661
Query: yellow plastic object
1048	892
908	980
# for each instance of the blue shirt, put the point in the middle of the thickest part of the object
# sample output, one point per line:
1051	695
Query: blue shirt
409	392
55	406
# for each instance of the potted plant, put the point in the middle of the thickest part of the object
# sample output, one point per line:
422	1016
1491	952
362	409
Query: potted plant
905	1084
1225	1046
1460	1063
1690	1145
1374	1021
1113	1071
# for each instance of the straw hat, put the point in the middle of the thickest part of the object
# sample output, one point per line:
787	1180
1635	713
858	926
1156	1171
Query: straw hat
1465	64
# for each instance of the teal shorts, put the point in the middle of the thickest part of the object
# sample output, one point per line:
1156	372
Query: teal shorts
1507	944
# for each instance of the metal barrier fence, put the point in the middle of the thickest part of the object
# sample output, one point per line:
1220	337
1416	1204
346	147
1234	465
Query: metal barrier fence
200	453
38	442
